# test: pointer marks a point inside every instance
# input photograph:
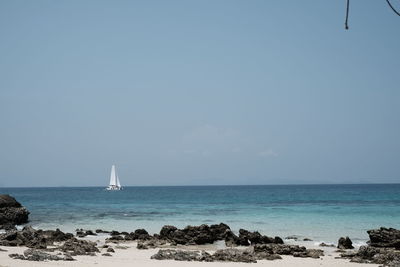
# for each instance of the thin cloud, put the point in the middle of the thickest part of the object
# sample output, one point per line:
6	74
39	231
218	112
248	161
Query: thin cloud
268	153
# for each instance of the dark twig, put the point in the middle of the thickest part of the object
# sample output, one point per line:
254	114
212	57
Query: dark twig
346	25
394	10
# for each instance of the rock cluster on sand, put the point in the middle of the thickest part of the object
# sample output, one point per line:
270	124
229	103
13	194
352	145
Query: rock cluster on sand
37	255
32	238
79	247
247	238
204	234
194	235
258	252
384	238
383	248
11	212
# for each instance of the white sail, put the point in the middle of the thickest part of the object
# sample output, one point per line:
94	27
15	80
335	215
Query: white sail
118	183
113	177
114	181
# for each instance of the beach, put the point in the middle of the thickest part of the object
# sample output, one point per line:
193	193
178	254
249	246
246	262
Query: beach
135	257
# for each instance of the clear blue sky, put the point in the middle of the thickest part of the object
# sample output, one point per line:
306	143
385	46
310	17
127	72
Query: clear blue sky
198	92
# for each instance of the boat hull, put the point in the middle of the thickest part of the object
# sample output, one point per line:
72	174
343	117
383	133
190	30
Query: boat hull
113	188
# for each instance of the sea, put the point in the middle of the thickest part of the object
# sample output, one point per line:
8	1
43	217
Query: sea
322	213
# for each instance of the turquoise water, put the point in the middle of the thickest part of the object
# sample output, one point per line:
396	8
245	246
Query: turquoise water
320	212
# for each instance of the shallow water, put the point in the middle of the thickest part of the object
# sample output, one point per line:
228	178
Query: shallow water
320	212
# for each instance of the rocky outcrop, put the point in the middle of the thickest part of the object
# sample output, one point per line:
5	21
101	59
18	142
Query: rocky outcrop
231	255
384	238
256	238
204	234
79	247
37	255
100	231
181	255
368	254
252	254
234	255
32	238
383	248
247	238
283	249
345	243
11	212
194	235
82	233
152	243
139	234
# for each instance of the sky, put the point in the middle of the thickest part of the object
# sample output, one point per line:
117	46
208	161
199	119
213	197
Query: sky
198	92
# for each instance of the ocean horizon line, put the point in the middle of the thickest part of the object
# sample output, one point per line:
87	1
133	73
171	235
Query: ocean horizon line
205	185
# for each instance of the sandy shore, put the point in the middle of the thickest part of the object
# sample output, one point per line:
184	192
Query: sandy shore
131	256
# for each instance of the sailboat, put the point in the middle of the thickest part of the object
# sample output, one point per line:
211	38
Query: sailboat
114	181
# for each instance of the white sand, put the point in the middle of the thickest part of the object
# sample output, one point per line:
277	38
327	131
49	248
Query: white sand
132	257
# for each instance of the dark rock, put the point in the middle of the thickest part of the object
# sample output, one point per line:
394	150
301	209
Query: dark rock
141	245
292	237
99	231
11	212
115	238
232	240
90	232
68	257
307	239
167	231
121	247
16	256
110	250
259	252
33	238
384	237
283	249
139	234
345	243
234	255
219	230
27	237
309	253
115	233
7	201
152	243
37	255
326	245
180	255
267	256
3	250
199	235
8	227
82	233
257	238
55	236
369	254
79	247
106	254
